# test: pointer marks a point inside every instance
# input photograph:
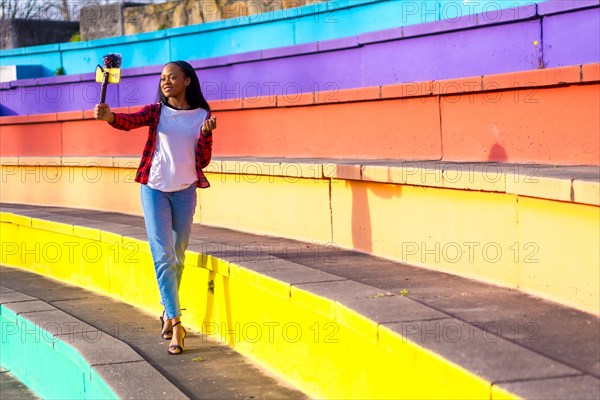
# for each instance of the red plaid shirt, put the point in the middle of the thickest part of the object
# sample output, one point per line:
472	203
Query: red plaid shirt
149	115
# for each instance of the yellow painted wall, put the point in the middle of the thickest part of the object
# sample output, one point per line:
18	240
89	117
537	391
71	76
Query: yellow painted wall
287	206
292	207
560	252
455	231
89	184
544	247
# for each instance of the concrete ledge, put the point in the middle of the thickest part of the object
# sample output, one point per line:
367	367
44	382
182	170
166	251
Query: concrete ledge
5	289
121	368
575	184
430	214
478	351
559	388
434	346
152	385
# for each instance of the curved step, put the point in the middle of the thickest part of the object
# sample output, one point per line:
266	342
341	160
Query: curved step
51	351
446	336
480	221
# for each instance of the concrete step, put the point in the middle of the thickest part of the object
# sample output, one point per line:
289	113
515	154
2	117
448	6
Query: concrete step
525	345
206	370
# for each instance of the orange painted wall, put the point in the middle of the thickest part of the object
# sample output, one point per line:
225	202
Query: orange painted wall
30	139
89	137
400	128
547	126
542	116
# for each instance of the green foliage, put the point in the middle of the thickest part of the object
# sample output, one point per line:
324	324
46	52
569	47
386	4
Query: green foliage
59	71
76	37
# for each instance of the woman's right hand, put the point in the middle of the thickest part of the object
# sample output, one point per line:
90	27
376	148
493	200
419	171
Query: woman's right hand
102	113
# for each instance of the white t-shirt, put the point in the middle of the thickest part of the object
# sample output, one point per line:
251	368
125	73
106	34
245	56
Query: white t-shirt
174	160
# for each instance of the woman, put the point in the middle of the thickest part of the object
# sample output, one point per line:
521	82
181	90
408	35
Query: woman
179	146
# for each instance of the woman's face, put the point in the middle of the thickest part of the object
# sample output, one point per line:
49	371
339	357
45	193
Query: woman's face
173	81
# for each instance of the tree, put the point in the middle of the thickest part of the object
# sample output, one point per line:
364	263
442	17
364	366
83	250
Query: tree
65	10
13	9
56	10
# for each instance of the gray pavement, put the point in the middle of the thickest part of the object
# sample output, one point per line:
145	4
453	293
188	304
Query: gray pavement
12	389
536	348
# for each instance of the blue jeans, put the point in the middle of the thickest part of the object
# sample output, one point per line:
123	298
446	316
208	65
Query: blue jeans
168	217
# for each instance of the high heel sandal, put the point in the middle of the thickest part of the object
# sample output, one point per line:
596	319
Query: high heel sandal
168	334
176	349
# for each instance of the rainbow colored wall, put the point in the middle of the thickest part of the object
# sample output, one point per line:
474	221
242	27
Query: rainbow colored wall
469	146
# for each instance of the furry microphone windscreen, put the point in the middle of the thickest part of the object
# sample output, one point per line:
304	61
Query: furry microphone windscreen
112	60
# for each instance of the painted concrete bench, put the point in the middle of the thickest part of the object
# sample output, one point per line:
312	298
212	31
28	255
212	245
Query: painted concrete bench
515	225
546	116
316	22
487	44
335	324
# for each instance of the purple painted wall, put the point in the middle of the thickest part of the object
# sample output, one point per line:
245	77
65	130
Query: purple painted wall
495	49
432	51
572	36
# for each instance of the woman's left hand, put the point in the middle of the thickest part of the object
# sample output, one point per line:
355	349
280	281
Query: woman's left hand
209	125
